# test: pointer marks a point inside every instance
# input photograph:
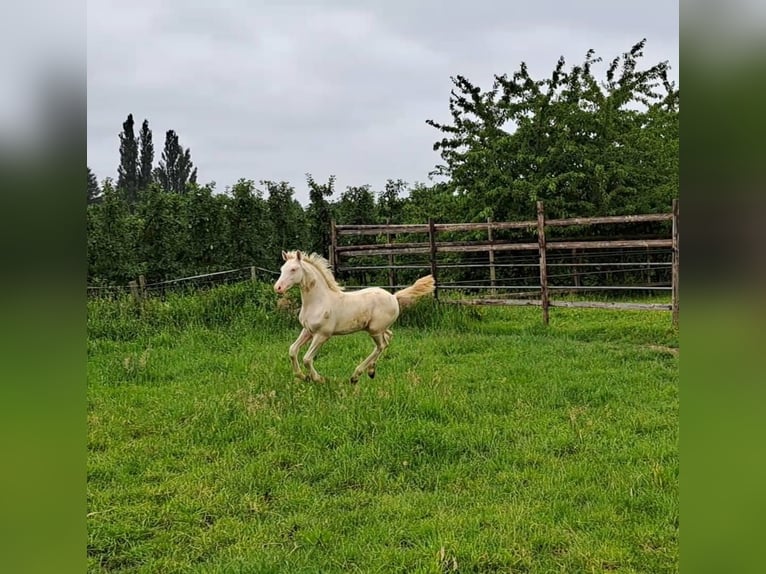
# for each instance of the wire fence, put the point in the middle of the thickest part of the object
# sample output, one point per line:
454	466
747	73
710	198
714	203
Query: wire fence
193	282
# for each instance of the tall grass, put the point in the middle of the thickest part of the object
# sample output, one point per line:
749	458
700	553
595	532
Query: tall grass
486	442
248	304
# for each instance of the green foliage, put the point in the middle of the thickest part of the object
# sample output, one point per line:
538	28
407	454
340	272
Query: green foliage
356	206
585	147
127	171
391	201
319	214
112	239
94	191
176	169
245	304
251	230
164	233
431	315
207	227
287	217
438	201
146	156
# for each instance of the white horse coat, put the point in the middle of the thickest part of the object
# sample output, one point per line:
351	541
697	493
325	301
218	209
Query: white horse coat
327	310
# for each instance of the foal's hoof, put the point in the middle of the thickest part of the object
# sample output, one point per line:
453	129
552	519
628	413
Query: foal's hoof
354	380
371	374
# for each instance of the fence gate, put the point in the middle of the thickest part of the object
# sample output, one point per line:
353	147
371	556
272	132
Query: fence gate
429	247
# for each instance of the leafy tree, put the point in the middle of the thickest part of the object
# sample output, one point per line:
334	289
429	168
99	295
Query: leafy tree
164	234
127	171
250	227
586	145
175	168
357	206
320	213
287	218
146	156
568	139
207	230
111	239
438	201
186	170
94	192
391	202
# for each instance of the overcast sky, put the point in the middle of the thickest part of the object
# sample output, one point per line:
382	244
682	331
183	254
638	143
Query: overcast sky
272	90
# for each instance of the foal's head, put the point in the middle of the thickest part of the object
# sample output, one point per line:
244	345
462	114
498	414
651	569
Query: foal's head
292	272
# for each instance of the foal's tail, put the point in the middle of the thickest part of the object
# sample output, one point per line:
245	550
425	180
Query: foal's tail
422	286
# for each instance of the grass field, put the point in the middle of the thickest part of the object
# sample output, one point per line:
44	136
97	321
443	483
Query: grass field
486	442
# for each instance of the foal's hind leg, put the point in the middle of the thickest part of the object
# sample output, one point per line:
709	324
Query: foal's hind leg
387	334
380	344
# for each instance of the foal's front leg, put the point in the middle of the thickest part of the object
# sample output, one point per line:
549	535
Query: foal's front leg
308	359
295	347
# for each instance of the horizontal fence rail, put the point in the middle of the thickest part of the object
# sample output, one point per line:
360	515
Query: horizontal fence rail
495	225
481	246
495	247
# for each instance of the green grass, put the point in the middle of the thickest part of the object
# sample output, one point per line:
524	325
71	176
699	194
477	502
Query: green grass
486	442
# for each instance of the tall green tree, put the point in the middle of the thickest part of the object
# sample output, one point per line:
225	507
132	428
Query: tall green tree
94	191
357	206
320	213
164	234
568	139
391	202
287	217
111	239
250	227
207	227
175	168
146	156
438	201
127	171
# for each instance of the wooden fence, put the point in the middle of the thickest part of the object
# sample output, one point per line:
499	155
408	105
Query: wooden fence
492	245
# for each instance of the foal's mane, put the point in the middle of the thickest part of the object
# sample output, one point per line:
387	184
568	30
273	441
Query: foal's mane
321	265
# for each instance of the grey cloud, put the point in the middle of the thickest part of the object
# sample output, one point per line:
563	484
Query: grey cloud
271	90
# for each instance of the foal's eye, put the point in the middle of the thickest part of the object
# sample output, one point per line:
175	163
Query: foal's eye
292	270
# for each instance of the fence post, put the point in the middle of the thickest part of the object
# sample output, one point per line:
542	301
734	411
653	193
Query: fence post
648	274
675	264
576	260
333	245
432	241
135	291
543	263
391	270
492	276
253	275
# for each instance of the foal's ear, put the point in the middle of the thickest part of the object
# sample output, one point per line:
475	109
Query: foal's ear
298	254
284	256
